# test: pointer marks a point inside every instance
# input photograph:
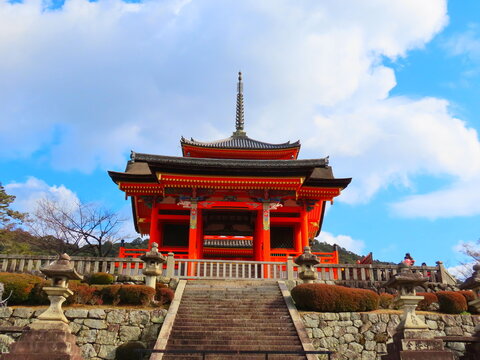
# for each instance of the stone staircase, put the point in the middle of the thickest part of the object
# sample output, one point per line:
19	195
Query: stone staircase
233	315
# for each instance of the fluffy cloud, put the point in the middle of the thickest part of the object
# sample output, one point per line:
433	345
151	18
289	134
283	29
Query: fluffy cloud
345	241
89	81
461	199
28	193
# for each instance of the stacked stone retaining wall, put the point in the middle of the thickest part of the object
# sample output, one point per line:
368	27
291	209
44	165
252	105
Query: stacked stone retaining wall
365	335
99	331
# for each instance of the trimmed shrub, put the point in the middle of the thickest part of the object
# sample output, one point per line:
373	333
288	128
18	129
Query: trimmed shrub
127	351
110	294
20	285
37	295
164	295
334	298
467	294
428	299
84	294
136	294
451	302
101	278
386	300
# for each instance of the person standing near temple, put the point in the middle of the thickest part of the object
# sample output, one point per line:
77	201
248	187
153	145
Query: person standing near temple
408	260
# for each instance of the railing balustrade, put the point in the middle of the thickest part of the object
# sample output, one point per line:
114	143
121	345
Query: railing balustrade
83	264
226	269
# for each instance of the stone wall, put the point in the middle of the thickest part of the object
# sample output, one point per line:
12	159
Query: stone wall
99	331
365	335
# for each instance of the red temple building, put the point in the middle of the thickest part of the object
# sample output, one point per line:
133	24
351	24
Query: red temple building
236	198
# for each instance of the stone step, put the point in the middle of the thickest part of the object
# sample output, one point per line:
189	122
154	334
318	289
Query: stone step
264	328
244	290
237	346
233	315
238	323
229	343
233	357
231	291
241	302
242	296
238	304
427	355
189	334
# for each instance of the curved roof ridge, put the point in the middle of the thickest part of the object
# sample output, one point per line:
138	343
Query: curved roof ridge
240	142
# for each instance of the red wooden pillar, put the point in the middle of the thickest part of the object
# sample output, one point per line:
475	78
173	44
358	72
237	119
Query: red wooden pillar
265	229
154	226
304	224
199	233
298	238
258	238
193	234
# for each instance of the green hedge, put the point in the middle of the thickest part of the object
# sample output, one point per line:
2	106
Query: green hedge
101	278
334	298
25	288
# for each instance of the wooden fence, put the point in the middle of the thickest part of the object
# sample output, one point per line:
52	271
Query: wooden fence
226	269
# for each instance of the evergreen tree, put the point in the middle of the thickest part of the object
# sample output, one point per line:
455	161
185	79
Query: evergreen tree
8	217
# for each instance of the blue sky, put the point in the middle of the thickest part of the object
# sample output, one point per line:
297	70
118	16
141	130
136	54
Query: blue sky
388	89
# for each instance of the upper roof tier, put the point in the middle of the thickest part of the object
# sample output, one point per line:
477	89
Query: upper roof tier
145	168
239	145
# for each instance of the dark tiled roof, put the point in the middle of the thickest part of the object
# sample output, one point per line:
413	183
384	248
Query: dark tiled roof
239	142
227	163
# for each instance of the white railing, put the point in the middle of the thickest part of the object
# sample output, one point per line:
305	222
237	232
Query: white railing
225	269
84	265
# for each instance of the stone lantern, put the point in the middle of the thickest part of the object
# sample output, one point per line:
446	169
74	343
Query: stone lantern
473	283
153	265
405	282
49	337
60	272
412	339
307	262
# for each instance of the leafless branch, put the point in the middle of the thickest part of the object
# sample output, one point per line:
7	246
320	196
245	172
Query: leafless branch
78	225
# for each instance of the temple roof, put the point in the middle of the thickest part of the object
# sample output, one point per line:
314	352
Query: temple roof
143	167
240	142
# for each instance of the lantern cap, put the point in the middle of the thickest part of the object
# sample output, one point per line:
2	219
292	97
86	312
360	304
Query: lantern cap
61	267
307	258
153	254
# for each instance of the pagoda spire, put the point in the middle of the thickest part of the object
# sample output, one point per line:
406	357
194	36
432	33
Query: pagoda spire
240	116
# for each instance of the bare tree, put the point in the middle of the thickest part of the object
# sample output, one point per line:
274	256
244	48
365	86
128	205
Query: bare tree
471	250
80	226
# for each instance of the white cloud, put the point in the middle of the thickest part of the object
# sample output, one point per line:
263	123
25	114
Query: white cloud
461	199
465	43
28	193
461	271
345	241
90	81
